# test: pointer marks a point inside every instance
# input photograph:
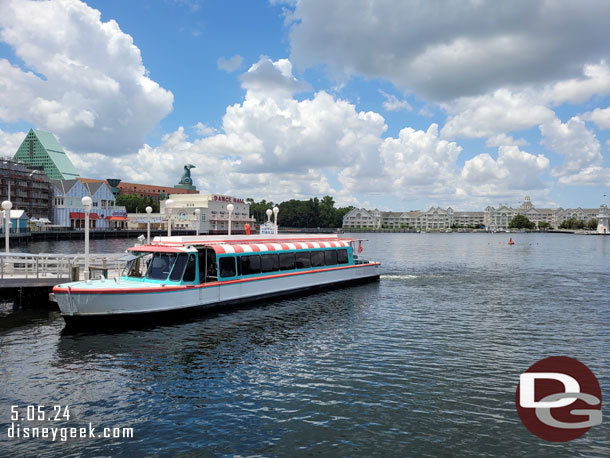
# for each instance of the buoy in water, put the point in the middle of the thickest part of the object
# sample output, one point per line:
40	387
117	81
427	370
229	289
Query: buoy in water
510	242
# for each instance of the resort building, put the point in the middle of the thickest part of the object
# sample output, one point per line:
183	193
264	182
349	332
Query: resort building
213	213
68	211
30	190
436	218
41	151
492	219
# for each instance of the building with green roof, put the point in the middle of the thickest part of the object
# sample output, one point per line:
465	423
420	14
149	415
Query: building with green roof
40	150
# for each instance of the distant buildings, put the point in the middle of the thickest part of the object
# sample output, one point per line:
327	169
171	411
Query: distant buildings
435	218
213	213
68	211
41	151
492	219
30	190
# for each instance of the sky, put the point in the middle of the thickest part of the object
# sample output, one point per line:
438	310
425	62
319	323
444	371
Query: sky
389	104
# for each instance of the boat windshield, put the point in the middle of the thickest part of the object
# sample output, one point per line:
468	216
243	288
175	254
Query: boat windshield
160	266
137	265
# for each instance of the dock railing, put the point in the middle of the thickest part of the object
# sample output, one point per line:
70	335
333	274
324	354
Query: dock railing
25	269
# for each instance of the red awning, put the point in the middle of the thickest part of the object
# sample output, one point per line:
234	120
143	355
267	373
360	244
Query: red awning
81	215
116	218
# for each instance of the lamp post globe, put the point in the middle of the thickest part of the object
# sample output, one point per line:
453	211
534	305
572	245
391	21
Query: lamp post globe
269	212
148	210
87	203
7	205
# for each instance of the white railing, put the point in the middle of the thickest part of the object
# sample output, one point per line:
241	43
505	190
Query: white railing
47	265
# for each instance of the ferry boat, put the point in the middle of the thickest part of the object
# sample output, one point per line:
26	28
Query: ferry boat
174	274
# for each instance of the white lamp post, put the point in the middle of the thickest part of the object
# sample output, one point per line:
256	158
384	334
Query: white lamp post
269	212
87	204
169	204
230	208
149	211
275	212
7	205
198	215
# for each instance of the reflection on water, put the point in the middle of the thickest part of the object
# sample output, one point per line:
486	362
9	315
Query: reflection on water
423	363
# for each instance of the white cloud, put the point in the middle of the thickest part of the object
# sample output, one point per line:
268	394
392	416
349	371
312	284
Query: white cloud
600	116
10	142
445	50
392	103
205	130
232	64
580	148
494	114
414	163
267	78
83	80
505	140
514	172
271	146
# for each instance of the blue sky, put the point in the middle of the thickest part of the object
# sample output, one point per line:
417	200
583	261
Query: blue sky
391	104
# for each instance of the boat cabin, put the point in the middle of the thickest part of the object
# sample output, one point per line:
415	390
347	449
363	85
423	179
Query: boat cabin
191	262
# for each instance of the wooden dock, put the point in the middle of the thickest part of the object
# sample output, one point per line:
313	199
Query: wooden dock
45	270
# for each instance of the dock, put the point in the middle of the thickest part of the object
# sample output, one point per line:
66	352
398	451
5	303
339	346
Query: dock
45	270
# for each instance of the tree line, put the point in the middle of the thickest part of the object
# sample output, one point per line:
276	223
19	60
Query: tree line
301	213
523	222
133	203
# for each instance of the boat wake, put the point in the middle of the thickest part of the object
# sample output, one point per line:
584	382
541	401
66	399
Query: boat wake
398	277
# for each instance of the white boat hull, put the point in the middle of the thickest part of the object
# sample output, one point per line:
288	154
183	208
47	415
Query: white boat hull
82	300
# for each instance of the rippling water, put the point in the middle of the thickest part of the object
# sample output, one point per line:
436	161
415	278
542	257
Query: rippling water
423	363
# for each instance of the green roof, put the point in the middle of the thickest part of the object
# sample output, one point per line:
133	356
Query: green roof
41	149
48	140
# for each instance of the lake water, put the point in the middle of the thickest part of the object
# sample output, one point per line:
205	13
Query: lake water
423	363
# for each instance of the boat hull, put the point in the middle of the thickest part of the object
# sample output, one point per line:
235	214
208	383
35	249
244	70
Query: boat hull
82	304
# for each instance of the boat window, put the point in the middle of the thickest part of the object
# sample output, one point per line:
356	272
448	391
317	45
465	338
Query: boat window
286	261
178	269
303	260
202	266
250	264
160	266
342	256
227	266
270	263
191	269
317	258
330	257
137	266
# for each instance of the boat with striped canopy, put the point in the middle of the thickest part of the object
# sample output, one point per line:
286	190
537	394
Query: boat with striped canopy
200	272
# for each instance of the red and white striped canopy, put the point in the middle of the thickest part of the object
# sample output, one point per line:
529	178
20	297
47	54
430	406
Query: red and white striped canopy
263	247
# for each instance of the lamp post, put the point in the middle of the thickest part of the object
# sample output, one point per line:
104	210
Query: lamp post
87	204
269	212
230	208
275	212
149	211
7	205
198	215
169	204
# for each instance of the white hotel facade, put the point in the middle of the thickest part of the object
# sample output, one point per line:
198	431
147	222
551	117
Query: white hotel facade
492	219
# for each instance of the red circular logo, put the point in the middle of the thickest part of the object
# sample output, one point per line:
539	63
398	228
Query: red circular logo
559	399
